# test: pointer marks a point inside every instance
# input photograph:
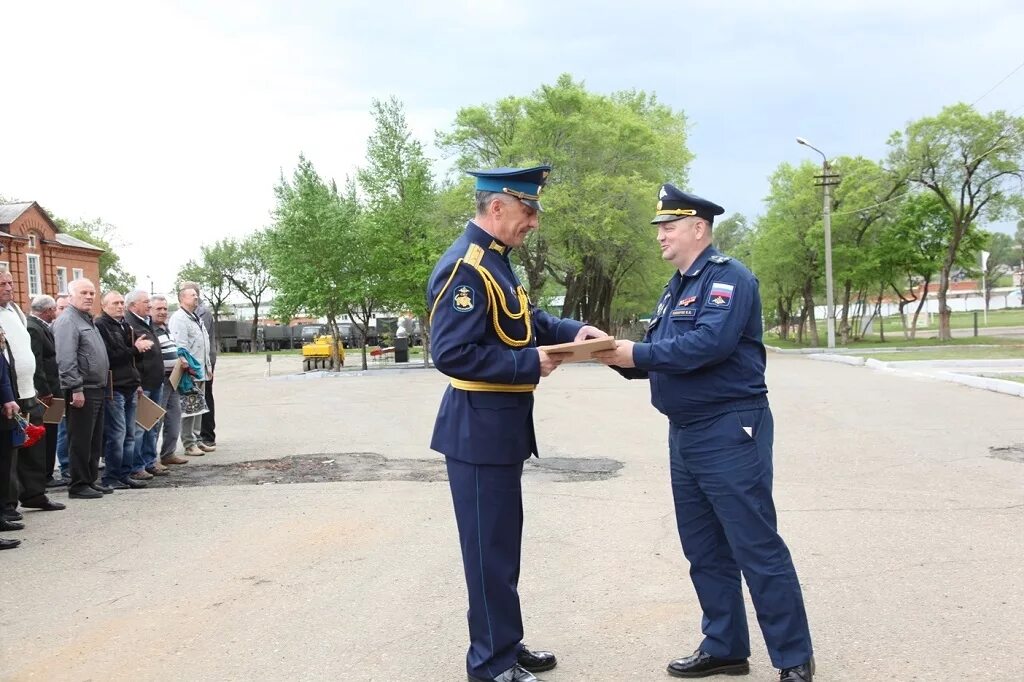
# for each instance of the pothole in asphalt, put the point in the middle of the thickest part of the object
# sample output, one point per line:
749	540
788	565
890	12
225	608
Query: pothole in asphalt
369	466
1011	453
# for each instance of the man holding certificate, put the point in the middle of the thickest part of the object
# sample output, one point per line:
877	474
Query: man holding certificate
485	332
705	360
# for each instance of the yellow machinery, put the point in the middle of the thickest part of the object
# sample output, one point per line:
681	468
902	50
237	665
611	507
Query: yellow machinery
317	355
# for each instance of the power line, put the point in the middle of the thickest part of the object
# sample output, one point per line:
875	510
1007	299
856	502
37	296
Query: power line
880	203
1005	78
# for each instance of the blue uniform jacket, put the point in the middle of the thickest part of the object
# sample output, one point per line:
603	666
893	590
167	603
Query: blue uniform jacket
703	351
480	338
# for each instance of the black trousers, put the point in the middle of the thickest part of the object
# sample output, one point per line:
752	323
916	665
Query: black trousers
209	425
8	491
32	461
51	449
85	438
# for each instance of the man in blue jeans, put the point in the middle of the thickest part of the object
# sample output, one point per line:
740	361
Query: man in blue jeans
151	375
124	350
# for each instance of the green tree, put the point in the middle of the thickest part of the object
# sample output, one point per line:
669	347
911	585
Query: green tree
968	161
311	247
732	236
210	274
609	154
247	268
402	210
1018	246
1001	258
113	276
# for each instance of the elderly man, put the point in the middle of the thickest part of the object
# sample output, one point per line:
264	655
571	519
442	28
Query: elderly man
47	379
83	365
61	438
485	335
189	333
207	430
30	461
124	350
703	355
151	375
170	425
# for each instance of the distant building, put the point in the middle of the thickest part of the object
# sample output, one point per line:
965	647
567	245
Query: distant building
41	258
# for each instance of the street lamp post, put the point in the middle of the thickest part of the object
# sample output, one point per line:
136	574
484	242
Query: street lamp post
826	180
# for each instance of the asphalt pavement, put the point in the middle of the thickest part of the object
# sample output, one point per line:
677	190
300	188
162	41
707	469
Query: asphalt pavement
901	499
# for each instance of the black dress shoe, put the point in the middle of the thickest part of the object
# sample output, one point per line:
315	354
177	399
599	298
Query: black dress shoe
134	483
9	544
56	482
12	515
101	488
800	673
11	525
536	661
85	494
43	503
700	664
115	485
514	674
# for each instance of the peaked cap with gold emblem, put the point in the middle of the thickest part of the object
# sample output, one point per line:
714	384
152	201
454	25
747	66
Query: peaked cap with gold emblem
524	184
673	204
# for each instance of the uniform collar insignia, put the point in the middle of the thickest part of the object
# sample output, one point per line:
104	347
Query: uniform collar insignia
496	246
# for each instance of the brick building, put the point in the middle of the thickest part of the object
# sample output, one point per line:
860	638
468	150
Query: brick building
41	258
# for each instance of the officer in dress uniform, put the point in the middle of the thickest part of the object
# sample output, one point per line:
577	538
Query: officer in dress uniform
703	355
485	332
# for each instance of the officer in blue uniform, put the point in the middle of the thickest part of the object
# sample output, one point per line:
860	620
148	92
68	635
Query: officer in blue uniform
703	355
485	332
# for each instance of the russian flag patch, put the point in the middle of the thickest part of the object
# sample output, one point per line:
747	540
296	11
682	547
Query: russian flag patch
721	294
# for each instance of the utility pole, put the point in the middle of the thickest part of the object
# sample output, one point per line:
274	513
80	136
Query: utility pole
826	181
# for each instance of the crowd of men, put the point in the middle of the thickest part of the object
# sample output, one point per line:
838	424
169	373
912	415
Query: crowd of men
101	358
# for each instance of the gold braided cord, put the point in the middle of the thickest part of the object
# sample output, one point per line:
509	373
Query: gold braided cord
494	290
443	289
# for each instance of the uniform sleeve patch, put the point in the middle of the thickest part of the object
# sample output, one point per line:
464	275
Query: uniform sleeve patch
463	299
721	294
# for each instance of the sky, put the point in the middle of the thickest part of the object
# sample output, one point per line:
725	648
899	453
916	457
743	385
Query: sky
174	120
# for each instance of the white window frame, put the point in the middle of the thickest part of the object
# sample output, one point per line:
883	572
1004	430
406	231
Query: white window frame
78	273
62	280
35	284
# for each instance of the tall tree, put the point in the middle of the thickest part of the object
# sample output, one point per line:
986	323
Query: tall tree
968	161
311	247
1018	242
402	209
1001	259
210	273
248	270
609	154
732	236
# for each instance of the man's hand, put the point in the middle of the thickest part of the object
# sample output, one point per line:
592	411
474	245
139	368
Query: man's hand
143	344
77	399
548	363
45	399
620	356
10	409
589	332
138	391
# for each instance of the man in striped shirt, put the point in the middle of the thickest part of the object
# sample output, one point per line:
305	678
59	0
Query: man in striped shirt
168	396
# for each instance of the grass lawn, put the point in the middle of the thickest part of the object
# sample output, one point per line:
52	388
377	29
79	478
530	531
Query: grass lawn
1004	352
1013	317
895	341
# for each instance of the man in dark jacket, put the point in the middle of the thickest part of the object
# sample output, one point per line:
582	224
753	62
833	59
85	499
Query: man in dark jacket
123	351
46	379
151	375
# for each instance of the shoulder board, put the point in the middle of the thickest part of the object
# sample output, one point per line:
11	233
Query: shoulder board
720	259
474	254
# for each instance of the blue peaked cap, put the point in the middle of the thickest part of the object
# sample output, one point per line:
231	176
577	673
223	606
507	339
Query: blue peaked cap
524	184
674	204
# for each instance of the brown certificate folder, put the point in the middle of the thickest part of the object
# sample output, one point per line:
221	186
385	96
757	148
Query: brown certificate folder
148	413
578	351
55	412
176	373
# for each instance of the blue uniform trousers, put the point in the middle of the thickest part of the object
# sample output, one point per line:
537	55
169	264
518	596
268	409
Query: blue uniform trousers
489	513
722	487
